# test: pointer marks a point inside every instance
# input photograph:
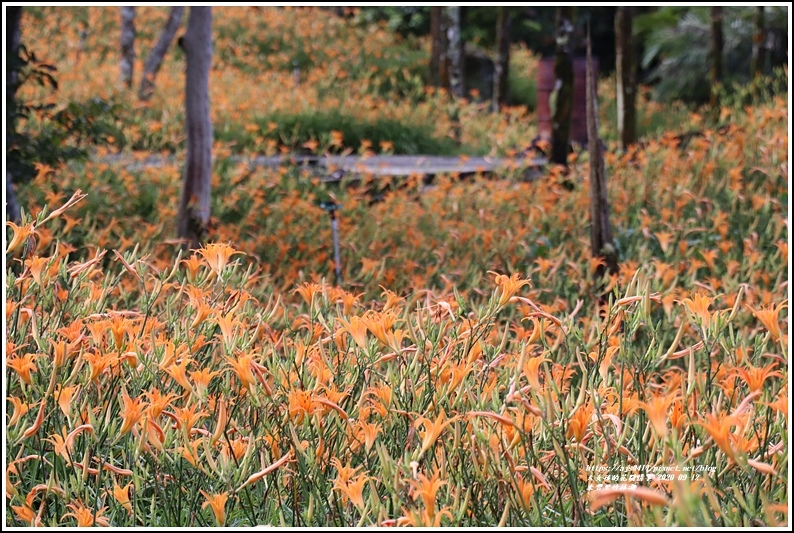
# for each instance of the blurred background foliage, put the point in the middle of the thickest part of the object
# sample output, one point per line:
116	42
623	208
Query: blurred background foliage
674	40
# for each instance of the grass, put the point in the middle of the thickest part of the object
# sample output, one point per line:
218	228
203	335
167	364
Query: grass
234	385
333	132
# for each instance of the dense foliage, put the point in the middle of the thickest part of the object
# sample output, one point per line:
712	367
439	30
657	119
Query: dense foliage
462	374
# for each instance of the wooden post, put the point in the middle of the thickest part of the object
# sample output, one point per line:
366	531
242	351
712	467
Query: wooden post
601	243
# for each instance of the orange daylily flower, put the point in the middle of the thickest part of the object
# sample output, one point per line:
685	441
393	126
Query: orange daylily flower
365	432
525	491
657	409
131	412
579	421
719	427
227	323
177	372
308	290
431	430
380	324
203	310
122	495
700	308
242	366
201	380
217	256
186	417
770	318
353	489
531	370
86	517
64	443
235	447
425	518
755	377
357	328
218	504
61	352
157	402
23	366
392	300
337	138
118	326
426	488
21	234
36	265
154	434
190	452
25	514
380	398
301	403
20	409
508	286
344	472
99	362
192	265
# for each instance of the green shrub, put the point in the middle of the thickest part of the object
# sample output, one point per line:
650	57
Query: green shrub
522	88
295	129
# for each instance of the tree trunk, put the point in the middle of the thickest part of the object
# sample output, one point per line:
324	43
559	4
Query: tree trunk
562	96
455	51
626	77
759	44
438	47
716	56
155	57
194	205
127	45
601	243
502	63
12	18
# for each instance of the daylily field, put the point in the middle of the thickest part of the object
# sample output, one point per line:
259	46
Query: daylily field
464	372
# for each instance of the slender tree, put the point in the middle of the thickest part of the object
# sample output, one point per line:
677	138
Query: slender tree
156	55
454	51
759	44
601	243
626	76
194	205
561	99
716	55
127	45
438	42
12	18
502	63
